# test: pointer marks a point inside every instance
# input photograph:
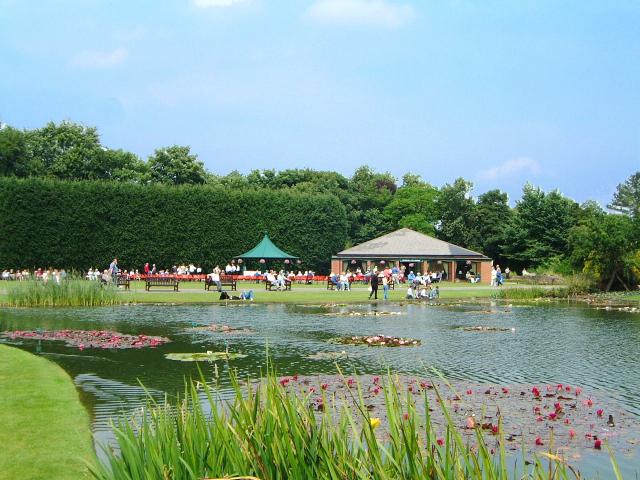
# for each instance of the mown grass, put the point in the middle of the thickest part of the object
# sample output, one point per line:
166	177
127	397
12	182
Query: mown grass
44	430
69	293
273	432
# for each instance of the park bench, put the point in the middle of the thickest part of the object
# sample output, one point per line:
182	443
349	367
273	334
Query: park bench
123	281
270	286
224	282
161	282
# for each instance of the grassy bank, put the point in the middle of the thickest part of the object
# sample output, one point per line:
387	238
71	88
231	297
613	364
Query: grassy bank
45	430
277	429
193	292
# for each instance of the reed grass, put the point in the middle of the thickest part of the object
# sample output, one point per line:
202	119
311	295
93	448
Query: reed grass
69	293
529	293
271	432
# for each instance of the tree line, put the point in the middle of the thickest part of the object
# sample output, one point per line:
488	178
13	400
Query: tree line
544	230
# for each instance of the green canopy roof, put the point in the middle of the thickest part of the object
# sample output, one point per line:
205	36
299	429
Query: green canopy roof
266	249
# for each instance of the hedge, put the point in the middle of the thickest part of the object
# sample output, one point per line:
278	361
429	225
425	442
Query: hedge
78	225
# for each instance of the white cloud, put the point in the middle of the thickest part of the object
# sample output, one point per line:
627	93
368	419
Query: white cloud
368	13
510	168
216	3
100	60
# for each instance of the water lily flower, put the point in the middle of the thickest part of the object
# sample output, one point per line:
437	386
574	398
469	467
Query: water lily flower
469	392
324	386
599	412
535	391
557	406
553	416
440	441
312	390
567	388
376	380
572	433
350	382
376	390
405	416
494	429
471	422
588	402
505	390
375	422
539	441
295	377
597	444
567	421
578	391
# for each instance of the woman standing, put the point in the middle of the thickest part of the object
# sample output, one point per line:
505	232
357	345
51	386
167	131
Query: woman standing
385	287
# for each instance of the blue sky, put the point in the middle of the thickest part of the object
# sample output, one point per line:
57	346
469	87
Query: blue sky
499	92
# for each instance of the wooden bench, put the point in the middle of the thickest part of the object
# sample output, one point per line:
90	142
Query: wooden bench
123	281
330	284
270	286
224	282
161	282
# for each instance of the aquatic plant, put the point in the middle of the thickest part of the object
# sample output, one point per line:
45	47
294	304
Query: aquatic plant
88	338
207	356
68	293
531	293
280	428
377	341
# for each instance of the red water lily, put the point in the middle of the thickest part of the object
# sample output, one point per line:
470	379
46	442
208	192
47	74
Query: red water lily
324	386
572	433
469	392
505	390
557	406
535	391
578	391
440	441
588	402
494	429
553	416
350	382
597	444
539	441
599	412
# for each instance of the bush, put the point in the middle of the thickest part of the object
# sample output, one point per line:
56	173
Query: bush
58	224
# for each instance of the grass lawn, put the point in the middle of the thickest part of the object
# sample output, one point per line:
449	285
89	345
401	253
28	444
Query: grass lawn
44	431
193	292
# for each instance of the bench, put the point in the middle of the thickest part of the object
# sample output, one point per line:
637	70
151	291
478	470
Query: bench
123	281
270	286
161	282
224	282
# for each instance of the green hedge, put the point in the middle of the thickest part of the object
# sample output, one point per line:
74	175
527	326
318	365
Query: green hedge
48	223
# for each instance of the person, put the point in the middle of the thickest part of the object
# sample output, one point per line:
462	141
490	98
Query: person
410	292
153	270
146	268
113	267
494	276
499	281
247	295
385	286
507	273
374	287
423	292
215	278
344	282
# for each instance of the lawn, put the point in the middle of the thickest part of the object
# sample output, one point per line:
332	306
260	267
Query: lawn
45	430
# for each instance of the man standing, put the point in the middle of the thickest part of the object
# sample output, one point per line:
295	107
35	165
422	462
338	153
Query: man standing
374	286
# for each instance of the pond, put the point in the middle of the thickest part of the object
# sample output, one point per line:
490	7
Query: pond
542	344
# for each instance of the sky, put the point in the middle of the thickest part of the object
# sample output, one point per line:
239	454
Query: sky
498	92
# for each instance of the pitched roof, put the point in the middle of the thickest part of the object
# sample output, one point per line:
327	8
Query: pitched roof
408	243
265	249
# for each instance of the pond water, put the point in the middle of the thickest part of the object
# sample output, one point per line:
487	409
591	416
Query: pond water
551	343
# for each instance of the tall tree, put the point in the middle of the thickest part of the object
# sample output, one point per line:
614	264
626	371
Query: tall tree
13	154
627	197
493	218
456	210
176	166
540	227
413	207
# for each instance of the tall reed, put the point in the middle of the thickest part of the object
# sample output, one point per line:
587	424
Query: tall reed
271	432
69	293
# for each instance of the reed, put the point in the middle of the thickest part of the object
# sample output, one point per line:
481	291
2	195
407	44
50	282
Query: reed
529	293
69	293
271	432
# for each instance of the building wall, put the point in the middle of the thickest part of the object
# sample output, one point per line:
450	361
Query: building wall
485	272
336	265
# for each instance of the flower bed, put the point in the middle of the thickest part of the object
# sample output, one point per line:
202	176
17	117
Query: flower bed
89	338
378	341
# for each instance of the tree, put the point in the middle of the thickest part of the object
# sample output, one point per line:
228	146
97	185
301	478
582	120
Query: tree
413	207
608	248
124	166
68	151
456	211
493	217
176	166
13	158
626	199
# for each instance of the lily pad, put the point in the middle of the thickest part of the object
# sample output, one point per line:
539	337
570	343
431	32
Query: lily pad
377	341
207	356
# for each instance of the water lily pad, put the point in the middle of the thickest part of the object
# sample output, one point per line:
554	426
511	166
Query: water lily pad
328	355
207	356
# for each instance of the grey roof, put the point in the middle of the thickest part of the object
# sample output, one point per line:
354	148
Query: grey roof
408	243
